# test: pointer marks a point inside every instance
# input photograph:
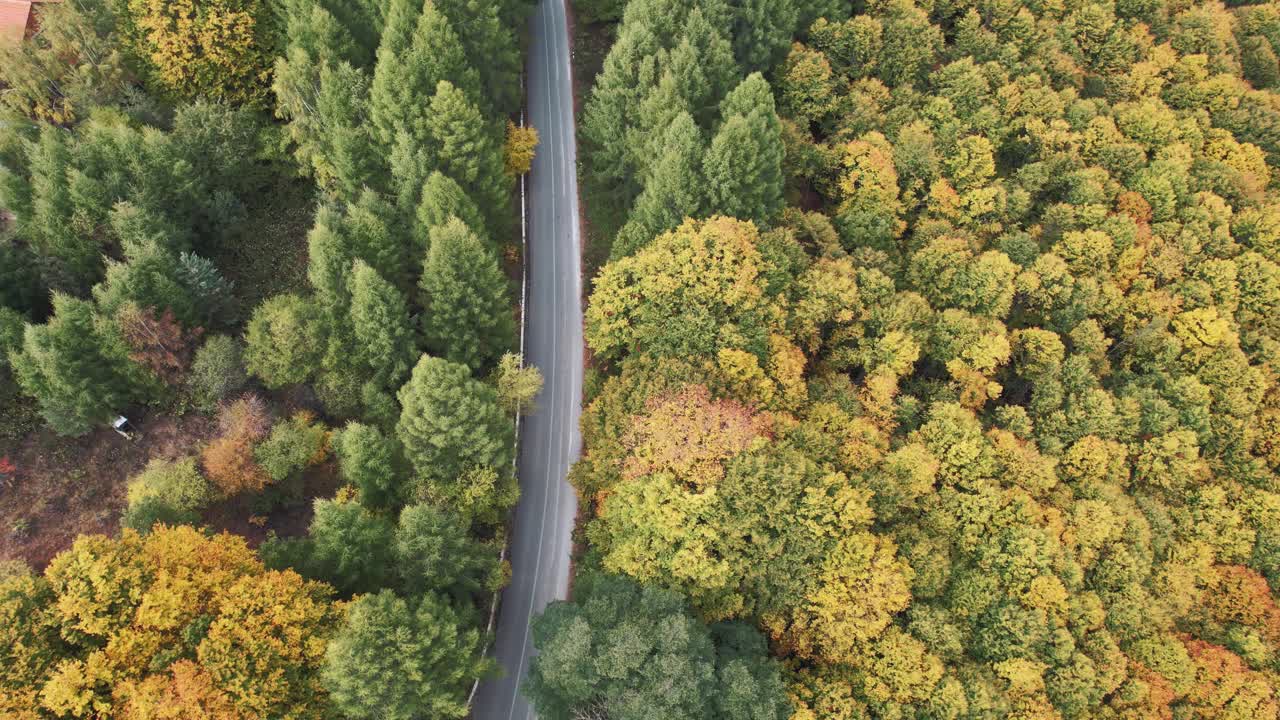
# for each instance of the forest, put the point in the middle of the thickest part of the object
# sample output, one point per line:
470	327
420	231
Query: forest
935	356
161	164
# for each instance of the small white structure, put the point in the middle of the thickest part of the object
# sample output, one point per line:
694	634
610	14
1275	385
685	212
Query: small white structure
122	426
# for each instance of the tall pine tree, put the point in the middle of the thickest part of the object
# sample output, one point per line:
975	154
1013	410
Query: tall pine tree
468	310
470	151
419	50
744	163
442	199
674	190
380	319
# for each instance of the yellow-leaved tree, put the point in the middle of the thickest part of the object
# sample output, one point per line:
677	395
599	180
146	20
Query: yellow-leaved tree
174	624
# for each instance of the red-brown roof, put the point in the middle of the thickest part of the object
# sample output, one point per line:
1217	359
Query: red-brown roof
14	15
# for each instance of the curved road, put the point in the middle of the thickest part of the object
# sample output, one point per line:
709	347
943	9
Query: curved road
541	538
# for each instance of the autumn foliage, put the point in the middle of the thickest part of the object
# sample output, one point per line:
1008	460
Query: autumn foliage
178	624
158	342
229	461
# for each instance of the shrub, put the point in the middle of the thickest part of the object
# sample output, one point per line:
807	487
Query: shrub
216	372
176	483
143	515
293	445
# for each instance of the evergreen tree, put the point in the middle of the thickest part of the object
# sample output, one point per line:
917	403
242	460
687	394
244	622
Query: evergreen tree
761	32
673	191
372	462
325	98
451	423
401	660
150	276
441	200
362	19
744	162
348	153
380	321
491	48
436	553
375	230
329	258
628	652
350	547
470	151
75	260
669	57
419	50
75	368
468	312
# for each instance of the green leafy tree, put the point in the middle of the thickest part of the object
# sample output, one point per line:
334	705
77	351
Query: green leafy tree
451	423
517	384
402	659
292	445
217	371
177	483
468	313
282	345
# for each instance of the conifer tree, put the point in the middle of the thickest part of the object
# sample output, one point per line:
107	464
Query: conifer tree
761	32
419	50
361	19
468	313
441	200
325	98
744	162
674	190
491	49
75	368
329	258
470	151
436	553
400	660
75	260
380	321
374	227
373	463
350	155
451	423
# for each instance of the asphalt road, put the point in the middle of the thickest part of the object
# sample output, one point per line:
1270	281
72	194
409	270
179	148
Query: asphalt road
541	538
